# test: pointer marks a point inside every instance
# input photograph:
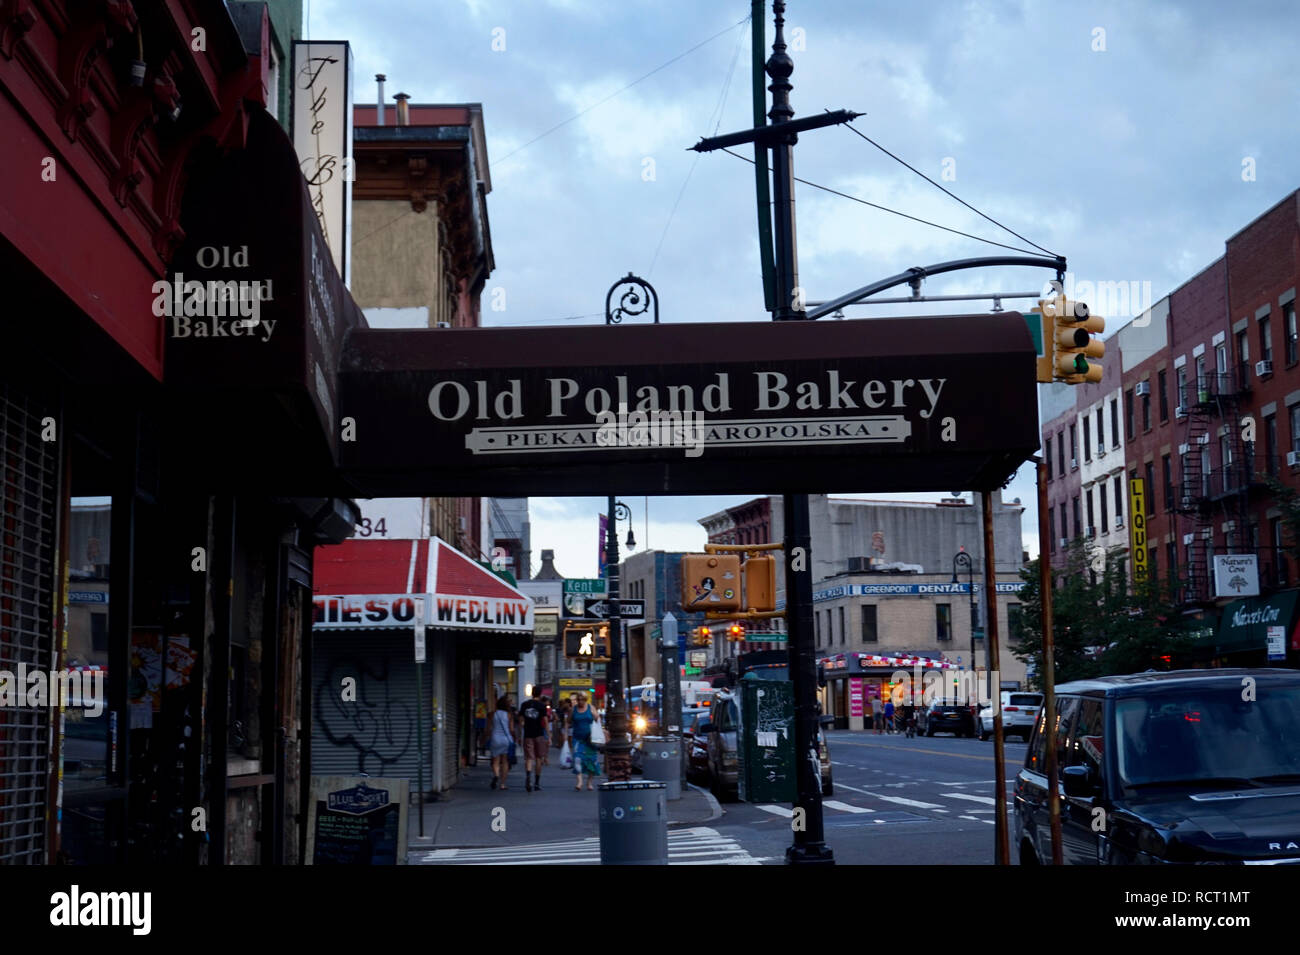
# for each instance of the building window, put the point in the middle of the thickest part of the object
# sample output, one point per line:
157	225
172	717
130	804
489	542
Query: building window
1153	565
1101	435
1288	322
1047	455
1091	524
1167	469
1265	341
1146	409
1279	555
1221	362
1101	502
1164	396
1119	496
1060	454
869	632
1270	444
1074	446
1205	471
1202	386
1171	553
1087	438
1065	522
817	627
1051	530
1295	428
843	629
1225	459
1014	621
943	621
1150	487
1243	357
1114	422
1128	415
1078	517
1181	378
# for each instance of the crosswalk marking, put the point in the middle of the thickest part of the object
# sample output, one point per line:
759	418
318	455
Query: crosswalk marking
698	845
778	810
844	807
914	803
985	800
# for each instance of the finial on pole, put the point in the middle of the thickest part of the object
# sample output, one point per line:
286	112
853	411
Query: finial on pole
779	67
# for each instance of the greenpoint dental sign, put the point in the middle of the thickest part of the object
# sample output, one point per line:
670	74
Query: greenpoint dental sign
878	405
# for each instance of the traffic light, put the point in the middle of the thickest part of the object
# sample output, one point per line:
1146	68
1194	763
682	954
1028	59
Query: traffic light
759	573
701	637
710	582
736	633
1073	327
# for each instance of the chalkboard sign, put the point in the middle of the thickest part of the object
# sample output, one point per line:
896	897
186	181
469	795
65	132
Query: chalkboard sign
357	820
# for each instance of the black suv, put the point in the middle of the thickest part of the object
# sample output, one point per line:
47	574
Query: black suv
947	718
1190	766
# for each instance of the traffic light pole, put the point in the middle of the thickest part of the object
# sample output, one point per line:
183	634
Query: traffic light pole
994	664
618	748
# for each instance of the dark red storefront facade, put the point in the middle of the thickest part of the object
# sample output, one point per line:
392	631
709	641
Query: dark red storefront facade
153	523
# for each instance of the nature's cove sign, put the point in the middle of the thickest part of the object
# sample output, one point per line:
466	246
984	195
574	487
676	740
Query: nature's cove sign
871	405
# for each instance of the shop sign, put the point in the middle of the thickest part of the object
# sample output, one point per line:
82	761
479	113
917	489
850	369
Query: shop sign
1236	575
356	821
904	404
364	611
322	137
1137	509
1277	643
855	696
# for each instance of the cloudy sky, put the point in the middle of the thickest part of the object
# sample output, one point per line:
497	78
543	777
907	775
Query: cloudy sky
1133	138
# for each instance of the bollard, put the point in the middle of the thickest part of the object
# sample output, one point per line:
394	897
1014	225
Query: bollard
633	824
662	763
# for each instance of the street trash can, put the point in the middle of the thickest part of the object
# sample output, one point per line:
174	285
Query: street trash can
661	762
633	823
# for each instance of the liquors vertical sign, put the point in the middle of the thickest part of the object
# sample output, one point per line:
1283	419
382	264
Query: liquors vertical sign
322	137
1137	509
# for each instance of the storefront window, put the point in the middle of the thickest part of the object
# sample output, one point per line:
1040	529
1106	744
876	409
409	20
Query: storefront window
85	746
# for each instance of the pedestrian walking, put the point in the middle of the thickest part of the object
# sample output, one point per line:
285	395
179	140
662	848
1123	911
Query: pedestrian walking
877	714
586	758
499	743
533	722
889	716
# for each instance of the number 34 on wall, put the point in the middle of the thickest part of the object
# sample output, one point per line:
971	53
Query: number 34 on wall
380	529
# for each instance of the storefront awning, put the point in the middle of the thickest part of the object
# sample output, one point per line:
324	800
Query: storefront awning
1245	624
841	664
380	584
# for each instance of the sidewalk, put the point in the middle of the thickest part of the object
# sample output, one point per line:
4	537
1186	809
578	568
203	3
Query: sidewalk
464	815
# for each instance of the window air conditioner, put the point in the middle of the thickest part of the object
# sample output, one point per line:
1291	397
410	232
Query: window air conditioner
1184	449
1143	388
1188	538
1090	532
1065	542
1187	500
1203	438
1119	521
1180	412
1293	459
1074	463
1263	368
1101	450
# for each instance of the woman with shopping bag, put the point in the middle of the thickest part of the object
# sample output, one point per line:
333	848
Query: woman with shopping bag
501	743
586	731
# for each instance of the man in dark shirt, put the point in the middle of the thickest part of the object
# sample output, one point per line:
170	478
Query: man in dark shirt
532	716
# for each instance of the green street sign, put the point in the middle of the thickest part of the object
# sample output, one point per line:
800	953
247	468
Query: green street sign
585	585
692	671
766	637
1035	322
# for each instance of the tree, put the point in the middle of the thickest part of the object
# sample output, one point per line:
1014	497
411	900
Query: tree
1101	624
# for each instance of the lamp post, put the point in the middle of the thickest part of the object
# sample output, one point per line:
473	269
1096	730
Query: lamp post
961	557
618	762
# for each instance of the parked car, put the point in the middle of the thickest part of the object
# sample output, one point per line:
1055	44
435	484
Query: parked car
1189	766
695	753
958	719
1019	714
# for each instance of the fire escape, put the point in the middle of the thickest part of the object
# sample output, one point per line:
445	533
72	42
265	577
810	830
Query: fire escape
1210	496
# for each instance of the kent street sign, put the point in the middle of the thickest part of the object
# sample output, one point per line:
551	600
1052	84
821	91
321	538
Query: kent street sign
927	403
627	609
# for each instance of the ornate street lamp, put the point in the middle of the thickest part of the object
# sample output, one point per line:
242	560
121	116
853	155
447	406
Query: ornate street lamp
961	557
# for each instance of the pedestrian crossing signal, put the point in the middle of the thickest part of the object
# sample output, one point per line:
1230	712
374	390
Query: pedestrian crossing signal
587	644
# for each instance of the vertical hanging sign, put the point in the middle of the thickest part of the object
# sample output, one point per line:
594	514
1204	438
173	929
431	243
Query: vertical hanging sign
1137	510
322	137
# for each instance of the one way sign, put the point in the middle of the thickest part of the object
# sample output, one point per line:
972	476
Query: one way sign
627	609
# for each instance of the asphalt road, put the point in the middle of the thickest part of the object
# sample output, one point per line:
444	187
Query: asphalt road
897	801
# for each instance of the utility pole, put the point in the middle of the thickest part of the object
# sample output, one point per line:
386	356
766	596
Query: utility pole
809	845
618	749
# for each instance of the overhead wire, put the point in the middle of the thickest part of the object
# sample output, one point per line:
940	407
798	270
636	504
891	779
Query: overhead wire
717	112
949	192
904	215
